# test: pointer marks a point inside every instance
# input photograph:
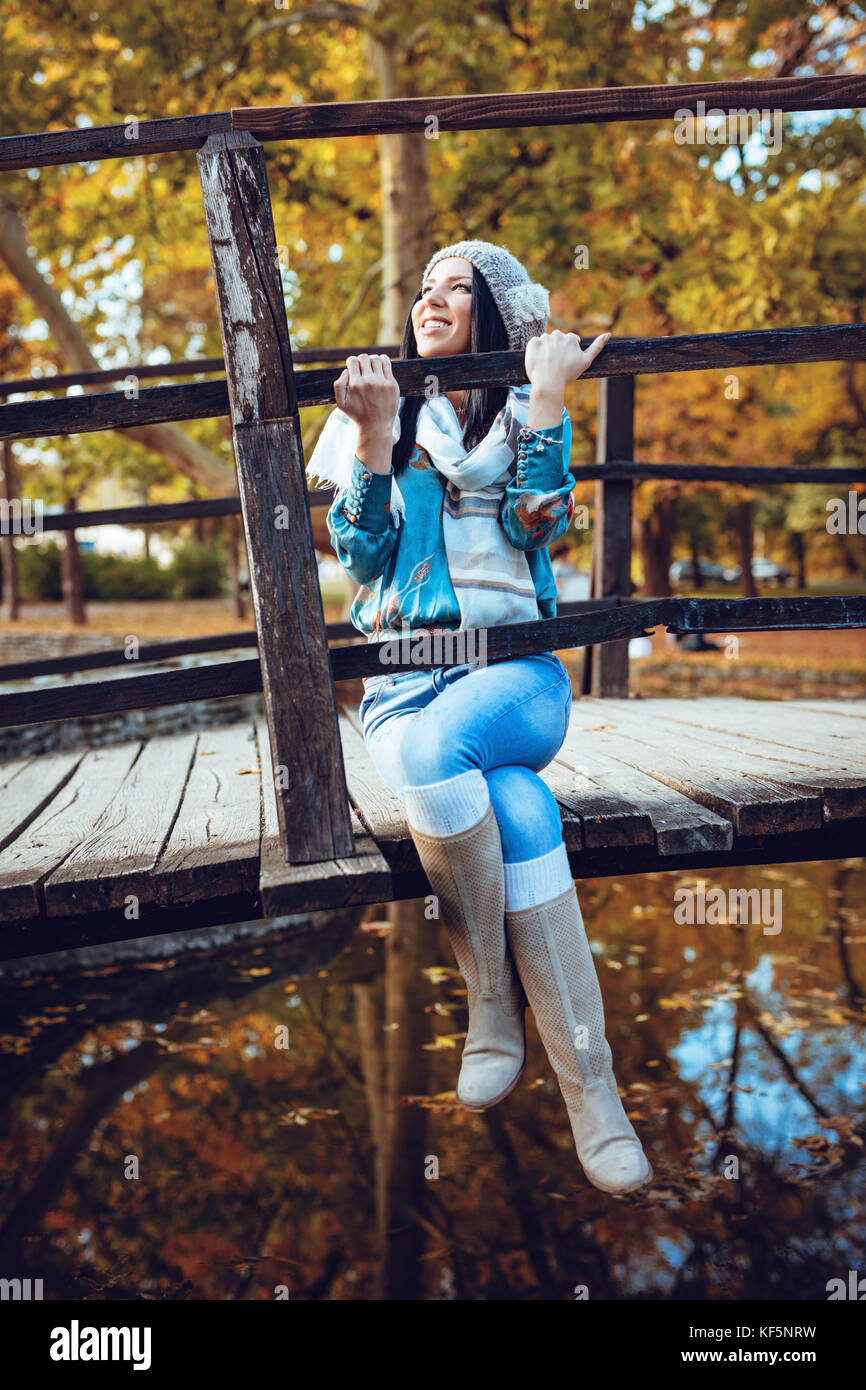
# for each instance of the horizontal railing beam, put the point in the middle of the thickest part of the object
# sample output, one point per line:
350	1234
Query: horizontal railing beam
125	141
155	514
159	512
199	400
230	678
580	106
637	472
403	115
212	642
188	367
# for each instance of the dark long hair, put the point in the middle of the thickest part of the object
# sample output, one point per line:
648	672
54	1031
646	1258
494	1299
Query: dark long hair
488	334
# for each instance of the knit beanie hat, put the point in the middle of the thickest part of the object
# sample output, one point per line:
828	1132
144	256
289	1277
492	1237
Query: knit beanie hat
523	303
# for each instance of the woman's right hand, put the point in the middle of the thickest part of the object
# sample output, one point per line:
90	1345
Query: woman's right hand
367	391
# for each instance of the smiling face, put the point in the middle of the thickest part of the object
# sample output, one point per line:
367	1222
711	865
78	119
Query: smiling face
442	317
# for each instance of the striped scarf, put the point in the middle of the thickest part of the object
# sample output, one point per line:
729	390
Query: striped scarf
491	577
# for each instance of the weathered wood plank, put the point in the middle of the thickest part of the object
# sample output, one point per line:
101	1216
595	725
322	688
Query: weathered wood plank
115	859
27	786
563	785
365	878
583	804
843	793
312	799
755	805
116	656
622	357
782	726
676	824
37	151
503	110
111	410
186	366
209	682
216	642
383	813
64	822
213	849
9	771
845	709
145	514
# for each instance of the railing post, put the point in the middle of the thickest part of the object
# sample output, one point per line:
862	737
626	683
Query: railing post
606	666
301	708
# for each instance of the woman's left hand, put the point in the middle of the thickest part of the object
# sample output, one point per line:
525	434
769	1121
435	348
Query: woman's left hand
554	359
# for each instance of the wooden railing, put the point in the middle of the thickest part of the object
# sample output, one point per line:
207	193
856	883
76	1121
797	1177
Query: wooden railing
262	393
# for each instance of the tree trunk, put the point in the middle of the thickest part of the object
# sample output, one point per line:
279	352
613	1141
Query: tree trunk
798	547
407	219
744	538
849	564
655	538
697	572
71	575
11	607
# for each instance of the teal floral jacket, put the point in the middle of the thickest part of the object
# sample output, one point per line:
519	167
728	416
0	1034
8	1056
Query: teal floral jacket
401	583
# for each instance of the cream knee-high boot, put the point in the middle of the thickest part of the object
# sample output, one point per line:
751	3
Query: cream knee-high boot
555	964
466	874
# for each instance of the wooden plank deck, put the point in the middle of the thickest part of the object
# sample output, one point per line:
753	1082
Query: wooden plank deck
180	831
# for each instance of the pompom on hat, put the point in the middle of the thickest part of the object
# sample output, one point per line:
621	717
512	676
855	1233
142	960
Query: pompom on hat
523	303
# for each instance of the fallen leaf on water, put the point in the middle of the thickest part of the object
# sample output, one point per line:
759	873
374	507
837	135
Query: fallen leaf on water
834	1016
376	928
677	1001
444	1041
437	973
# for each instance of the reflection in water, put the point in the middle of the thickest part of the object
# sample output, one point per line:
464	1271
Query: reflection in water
279	1113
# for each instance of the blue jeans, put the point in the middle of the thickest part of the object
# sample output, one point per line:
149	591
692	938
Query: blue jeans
508	720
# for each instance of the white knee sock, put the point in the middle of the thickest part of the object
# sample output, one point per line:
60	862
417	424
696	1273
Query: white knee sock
447	808
532	881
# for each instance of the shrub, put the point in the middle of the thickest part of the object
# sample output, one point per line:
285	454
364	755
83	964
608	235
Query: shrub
118	578
39	572
197	571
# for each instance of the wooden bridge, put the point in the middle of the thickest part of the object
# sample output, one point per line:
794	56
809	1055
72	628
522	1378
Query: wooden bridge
287	813
134	838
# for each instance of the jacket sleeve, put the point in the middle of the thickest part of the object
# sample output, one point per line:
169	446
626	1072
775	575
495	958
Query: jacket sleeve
538	503
363	532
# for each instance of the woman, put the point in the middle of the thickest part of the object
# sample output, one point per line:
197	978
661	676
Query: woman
446	504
